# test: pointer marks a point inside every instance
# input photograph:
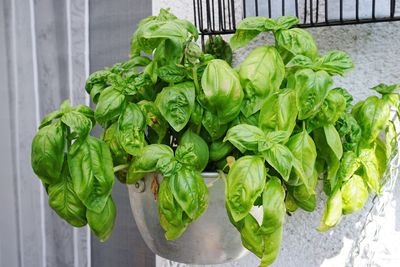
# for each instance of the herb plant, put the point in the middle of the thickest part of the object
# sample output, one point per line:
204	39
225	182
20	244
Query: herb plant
274	125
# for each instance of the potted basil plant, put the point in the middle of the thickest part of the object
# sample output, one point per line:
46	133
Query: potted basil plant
191	136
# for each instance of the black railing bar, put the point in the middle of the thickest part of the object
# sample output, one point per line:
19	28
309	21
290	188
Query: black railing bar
341	10
317	12
269	9
296	7
244	9
311	12
357	10
233	15
326	12
283	7
373	9
229	15
305	11
256	7
213	13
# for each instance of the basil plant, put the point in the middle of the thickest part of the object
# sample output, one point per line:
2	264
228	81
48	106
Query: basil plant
275	125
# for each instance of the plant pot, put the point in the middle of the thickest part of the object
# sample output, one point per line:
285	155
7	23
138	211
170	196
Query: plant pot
211	239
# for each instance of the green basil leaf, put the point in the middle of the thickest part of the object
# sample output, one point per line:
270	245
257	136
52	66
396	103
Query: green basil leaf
386	89
349	164
271	247
287	22
371	169
334	63
354	194
261	75
349	131
111	104
78	122
244	137
47	154
50	117
220	49
185	154
200	148
248	228
172	218
154	119
274	209
219	150
131	126
91	168
110	137
247	30
98	78
64	201
332	108
172	73
147	160
280	158
279	112
294	42
304	151
333	140
244	184
190	191
372	117
222	93
326	154
333	211
213	125
311	88
176	104
300	61
102	223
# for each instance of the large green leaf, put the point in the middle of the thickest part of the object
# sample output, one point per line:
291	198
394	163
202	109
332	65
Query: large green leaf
102	223
261	75
91	168
244	183
64	201
47	154
190	191
176	104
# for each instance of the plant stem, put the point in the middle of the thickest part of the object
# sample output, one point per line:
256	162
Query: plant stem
121	167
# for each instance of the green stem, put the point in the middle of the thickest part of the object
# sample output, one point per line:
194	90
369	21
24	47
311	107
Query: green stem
121	167
196	81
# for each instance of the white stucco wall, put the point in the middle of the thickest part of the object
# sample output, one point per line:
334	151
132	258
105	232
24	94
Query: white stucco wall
375	49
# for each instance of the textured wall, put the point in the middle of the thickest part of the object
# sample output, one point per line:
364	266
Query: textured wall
375	49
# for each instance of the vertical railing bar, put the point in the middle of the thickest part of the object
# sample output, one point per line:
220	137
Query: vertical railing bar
222	15
311	13
200	14
283	7
392	8
194	13
229	16
213	14
296	7
373	9
326	12
208	19
305	12
256	6
317	12
357	11
233	15
269	9
341	11
244	8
